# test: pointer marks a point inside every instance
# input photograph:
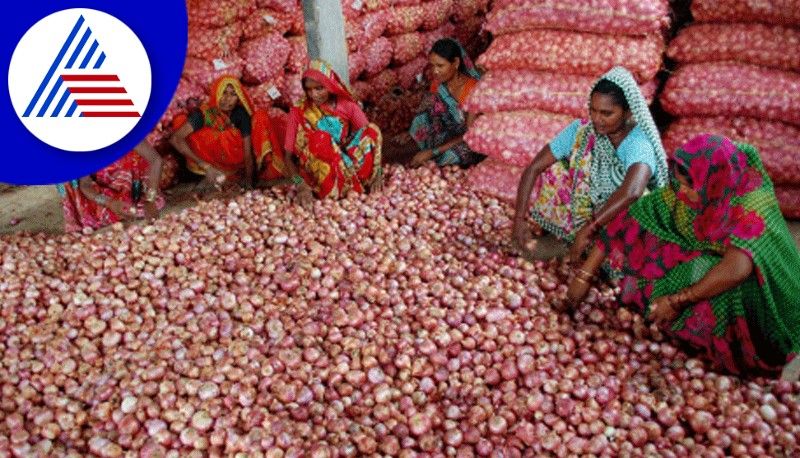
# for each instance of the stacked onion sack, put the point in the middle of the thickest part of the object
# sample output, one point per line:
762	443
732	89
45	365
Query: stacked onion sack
739	75
541	65
389	40
390	324
261	42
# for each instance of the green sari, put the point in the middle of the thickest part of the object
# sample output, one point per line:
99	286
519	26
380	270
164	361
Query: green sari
665	243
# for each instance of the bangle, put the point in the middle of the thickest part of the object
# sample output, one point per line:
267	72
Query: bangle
581	280
583	275
297	180
435	152
101	199
150	195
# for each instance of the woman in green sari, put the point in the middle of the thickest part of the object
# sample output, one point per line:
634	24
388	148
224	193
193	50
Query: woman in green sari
711	258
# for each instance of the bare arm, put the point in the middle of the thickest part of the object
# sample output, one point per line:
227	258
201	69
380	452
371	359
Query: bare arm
154	161
540	163
734	268
120	208
178	140
249	162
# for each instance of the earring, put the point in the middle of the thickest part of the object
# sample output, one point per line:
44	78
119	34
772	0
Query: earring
630	122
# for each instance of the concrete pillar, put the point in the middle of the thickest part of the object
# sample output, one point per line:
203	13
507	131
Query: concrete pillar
325	33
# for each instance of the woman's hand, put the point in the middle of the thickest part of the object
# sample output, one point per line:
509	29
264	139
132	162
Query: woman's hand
582	240
520	236
122	209
421	158
215	177
377	183
664	310
577	291
305	197
151	211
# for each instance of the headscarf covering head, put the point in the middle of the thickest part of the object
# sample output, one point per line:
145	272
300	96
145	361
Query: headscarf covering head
323	73
449	49
716	170
222	83
637	104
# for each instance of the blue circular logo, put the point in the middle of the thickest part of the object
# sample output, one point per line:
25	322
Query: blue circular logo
86	83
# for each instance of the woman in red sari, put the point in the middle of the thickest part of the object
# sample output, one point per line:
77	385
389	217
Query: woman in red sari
229	138
126	189
331	139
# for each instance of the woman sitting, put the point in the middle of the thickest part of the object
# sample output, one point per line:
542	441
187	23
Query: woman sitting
439	130
711	258
594	168
228	137
329	137
126	189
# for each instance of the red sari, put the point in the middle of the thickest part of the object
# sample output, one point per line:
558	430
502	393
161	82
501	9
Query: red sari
221	144
118	181
338	149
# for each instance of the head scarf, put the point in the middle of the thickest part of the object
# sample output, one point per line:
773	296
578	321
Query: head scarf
719	173
607	172
218	89
469	66
323	73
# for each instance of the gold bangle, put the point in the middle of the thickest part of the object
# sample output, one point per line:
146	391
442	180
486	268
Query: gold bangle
151	195
584	275
582	280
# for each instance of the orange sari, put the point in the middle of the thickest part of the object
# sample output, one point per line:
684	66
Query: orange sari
221	144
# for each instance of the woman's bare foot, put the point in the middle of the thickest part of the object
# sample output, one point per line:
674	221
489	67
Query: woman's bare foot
791	371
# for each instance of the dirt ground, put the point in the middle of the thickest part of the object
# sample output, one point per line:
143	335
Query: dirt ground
38	209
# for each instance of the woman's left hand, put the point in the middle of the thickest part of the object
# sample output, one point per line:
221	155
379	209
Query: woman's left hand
582	240
578	289
150	211
421	158
663	310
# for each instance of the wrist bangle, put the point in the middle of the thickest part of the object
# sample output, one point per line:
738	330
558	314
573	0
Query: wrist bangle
297	180
583	275
151	195
101	199
435	152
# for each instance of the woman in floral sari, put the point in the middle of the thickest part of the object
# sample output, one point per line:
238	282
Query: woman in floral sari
440	129
336	148
229	136
594	169
712	259
126	189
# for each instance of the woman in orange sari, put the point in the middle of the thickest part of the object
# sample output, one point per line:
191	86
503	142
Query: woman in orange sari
335	146
126	189
229	138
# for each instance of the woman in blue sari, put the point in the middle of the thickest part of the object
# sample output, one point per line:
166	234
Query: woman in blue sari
439	130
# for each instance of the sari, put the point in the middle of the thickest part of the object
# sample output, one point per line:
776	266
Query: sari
337	148
123	180
567	194
664	243
221	144
443	119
